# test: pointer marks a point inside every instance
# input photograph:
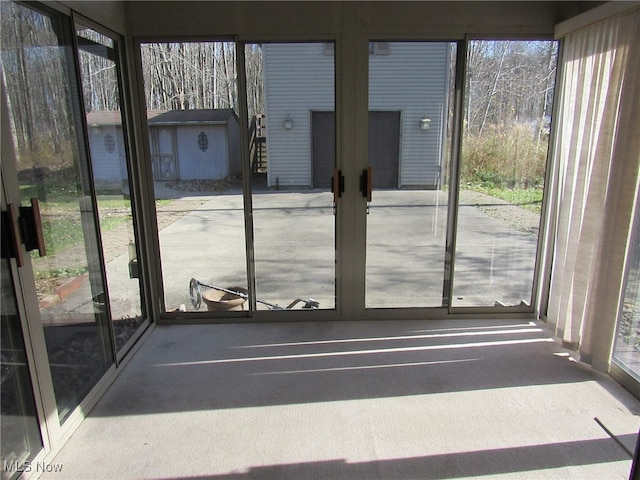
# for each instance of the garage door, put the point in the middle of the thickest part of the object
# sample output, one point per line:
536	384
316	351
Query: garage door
323	128
384	147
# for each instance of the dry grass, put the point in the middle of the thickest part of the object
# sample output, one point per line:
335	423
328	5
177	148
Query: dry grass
504	156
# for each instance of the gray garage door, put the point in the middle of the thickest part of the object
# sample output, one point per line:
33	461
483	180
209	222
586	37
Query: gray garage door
384	143
323	128
384	146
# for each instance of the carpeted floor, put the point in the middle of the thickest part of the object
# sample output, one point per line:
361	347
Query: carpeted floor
370	400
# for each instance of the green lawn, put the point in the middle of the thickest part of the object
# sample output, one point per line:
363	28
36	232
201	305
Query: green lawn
527	198
62	223
62	229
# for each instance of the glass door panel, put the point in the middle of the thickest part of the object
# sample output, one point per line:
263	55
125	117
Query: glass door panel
291	93
52	169
510	87
21	440
410	98
101	92
194	138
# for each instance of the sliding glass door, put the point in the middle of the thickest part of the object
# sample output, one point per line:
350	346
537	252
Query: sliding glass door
270	225
65	316
53	178
293	209
251	187
195	158
507	114
245	219
410	110
98	62
461	230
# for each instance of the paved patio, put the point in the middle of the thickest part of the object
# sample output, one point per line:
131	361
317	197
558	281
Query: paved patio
295	251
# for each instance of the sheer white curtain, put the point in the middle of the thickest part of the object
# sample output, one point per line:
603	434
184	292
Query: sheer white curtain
597	151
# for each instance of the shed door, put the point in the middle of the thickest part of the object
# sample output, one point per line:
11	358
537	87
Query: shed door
166	164
384	146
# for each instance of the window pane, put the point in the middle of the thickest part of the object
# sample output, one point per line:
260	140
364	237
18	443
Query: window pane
510	88
191	95
109	161
294	225
410	87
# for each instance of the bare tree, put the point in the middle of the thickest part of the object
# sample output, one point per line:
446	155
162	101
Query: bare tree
42	119
509	82
190	75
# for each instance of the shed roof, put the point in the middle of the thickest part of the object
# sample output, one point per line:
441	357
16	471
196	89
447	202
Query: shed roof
179	117
220	116
97	117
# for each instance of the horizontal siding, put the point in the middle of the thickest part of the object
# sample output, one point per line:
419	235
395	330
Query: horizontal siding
299	79
412	79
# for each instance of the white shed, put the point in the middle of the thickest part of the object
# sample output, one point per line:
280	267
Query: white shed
185	145
194	144
108	155
409	81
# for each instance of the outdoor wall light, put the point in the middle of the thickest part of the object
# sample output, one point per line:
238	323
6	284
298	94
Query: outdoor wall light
425	123
288	122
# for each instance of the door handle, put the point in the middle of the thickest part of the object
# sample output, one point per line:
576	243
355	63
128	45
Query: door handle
337	185
366	183
31	228
11	244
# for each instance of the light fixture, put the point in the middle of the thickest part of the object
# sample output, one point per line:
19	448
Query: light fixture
425	123
288	122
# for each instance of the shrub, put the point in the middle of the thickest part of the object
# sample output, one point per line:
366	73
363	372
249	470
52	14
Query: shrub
504	157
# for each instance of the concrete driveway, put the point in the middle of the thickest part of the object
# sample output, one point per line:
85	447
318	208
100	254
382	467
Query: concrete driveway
295	252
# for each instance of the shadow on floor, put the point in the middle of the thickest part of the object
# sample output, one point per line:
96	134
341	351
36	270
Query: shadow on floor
456	465
205	367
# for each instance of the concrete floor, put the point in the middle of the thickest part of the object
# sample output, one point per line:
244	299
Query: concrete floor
353	400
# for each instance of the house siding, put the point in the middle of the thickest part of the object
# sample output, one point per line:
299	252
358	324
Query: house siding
299	79
412	79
